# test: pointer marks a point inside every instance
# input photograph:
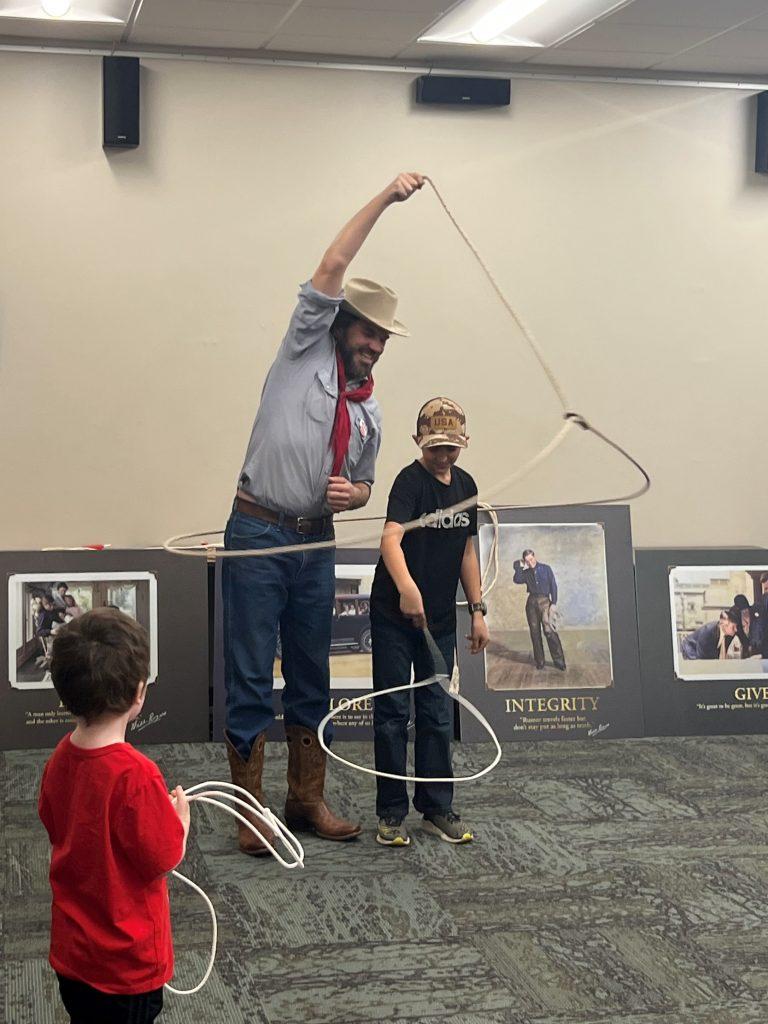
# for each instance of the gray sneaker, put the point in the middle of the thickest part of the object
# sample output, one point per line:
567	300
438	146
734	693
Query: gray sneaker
392	832
448	827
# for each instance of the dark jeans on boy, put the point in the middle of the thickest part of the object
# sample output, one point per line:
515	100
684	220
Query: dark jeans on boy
86	1005
395	649
293	592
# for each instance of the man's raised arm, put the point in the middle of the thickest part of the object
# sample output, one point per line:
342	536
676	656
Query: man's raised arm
329	276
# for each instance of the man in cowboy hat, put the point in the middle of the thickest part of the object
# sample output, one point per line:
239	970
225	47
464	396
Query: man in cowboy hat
312	453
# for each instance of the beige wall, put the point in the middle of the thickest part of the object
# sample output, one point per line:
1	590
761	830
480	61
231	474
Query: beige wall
144	293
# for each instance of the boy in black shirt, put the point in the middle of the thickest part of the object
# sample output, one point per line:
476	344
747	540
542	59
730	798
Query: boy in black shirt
415	587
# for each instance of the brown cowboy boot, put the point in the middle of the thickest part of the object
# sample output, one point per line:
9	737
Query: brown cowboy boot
305	809
247	775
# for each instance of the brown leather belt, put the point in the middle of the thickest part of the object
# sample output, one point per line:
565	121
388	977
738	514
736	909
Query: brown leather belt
299	524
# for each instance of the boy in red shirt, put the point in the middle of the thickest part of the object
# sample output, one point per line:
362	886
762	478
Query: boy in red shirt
114	830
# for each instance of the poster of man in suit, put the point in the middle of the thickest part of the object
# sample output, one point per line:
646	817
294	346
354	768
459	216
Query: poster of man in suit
548	612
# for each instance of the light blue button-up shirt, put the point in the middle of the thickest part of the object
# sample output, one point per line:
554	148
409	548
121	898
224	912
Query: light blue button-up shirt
289	458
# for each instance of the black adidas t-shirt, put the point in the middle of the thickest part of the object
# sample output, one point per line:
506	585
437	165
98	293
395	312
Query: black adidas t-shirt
434	552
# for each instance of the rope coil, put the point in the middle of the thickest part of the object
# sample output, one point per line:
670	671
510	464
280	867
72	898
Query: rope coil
222	795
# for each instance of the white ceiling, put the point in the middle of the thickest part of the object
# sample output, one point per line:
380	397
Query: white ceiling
721	37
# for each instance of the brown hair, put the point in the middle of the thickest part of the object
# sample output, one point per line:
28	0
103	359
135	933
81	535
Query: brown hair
98	662
341	324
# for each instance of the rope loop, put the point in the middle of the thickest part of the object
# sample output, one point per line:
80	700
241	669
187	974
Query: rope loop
180	544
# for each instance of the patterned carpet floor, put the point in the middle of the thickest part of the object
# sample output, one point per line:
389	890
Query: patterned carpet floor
622	882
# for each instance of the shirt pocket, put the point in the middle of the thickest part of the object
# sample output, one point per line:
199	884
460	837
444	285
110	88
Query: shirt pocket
321	398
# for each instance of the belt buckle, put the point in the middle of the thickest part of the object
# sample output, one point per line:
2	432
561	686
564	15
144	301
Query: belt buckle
301	529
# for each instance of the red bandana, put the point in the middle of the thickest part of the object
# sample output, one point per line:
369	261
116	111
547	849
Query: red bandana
342	428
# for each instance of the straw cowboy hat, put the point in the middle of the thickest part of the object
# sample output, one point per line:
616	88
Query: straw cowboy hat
374	302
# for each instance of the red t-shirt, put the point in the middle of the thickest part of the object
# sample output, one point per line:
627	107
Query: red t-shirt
115	834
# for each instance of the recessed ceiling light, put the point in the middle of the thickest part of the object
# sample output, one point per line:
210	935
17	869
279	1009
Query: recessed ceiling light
56	8
503	17
104	12
534	23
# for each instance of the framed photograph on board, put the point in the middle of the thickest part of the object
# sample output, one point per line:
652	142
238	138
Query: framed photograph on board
562	661
703	618
44	590
549	614
718	615
38	607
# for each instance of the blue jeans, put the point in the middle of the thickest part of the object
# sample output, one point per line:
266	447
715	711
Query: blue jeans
294	592
395	650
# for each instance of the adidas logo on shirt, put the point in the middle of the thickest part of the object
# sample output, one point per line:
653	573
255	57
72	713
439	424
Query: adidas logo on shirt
439	520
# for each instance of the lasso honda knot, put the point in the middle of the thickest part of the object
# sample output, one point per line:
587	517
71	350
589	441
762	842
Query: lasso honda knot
578	419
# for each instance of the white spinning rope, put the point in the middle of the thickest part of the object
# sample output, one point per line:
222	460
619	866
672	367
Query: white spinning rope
182	544
490	573
222	795
178	545
451	686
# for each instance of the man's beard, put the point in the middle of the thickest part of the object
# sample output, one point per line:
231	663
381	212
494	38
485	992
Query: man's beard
354	368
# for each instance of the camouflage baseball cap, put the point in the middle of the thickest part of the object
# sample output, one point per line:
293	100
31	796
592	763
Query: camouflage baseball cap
441	421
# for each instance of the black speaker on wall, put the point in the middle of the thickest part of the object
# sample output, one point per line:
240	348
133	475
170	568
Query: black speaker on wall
761	147
467	92
120	76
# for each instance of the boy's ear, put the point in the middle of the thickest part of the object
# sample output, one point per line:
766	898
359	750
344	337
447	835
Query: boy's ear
416	439
141	692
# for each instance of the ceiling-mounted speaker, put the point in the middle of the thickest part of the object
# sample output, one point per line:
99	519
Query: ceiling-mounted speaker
466	92
761	146
120	76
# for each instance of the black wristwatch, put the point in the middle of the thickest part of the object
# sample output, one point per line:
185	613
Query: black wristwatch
478	606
